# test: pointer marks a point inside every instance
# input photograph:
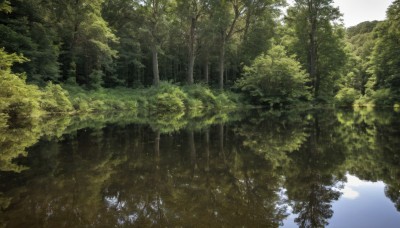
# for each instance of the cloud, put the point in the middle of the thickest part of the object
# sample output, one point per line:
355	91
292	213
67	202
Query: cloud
350	193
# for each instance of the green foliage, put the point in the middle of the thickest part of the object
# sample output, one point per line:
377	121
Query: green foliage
202	94
318	43
386	55
360	29
55	99
166	98
5	7
18	100
346	97
26	29
382	97
102	100
275	78
96	79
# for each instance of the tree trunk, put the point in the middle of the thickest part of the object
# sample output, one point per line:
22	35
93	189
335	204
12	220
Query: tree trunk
156	74
221	64
313	47
206	70
192	52
190	68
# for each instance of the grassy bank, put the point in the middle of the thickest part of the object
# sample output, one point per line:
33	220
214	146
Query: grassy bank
165	101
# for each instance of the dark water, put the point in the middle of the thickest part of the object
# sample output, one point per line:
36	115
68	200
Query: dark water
263	169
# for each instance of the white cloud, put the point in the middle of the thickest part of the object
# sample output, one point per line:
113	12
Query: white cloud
349	193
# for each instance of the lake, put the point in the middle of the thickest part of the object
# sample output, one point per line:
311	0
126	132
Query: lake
259	168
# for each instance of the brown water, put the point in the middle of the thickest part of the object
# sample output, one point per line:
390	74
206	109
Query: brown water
263	169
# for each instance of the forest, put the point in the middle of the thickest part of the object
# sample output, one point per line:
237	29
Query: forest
197	56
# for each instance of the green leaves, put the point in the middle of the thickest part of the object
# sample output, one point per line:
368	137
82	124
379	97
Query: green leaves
5	7
386	55
275	78
18	100
346	97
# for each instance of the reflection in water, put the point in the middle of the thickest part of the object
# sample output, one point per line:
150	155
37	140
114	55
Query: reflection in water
118	170
313	176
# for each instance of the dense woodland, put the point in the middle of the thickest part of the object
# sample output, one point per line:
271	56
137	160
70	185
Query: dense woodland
56	54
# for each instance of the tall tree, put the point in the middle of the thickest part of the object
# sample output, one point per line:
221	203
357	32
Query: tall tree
86	36
190	12
317	40
236	17
123	18
225	16
155	27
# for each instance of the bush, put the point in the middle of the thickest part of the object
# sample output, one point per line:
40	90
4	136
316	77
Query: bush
55	99
18	99
103	100
202	93
274	78
166	98
346	97
195	107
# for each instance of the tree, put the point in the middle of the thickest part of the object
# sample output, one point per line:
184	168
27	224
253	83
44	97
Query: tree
86	51
317	42
154	27
124	19
25	28
386	54
361	40
225	15
259	28
190	13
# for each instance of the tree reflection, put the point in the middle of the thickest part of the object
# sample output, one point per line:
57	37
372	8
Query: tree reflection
274	134
213	172
313	176
388	139
221	191
372	140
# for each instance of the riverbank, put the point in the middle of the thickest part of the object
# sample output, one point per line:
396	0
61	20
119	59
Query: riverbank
165	100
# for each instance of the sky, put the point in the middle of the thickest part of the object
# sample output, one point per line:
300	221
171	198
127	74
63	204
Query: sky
356	11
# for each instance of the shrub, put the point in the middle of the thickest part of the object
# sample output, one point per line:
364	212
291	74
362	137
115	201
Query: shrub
166	98
18	99
55	99
274	78
202	93
346	97
195	107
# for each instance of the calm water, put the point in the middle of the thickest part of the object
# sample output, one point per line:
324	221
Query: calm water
261	169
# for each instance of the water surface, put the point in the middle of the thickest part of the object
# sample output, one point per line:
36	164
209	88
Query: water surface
260	169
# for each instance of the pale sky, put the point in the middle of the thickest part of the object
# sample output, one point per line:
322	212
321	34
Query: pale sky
356	11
